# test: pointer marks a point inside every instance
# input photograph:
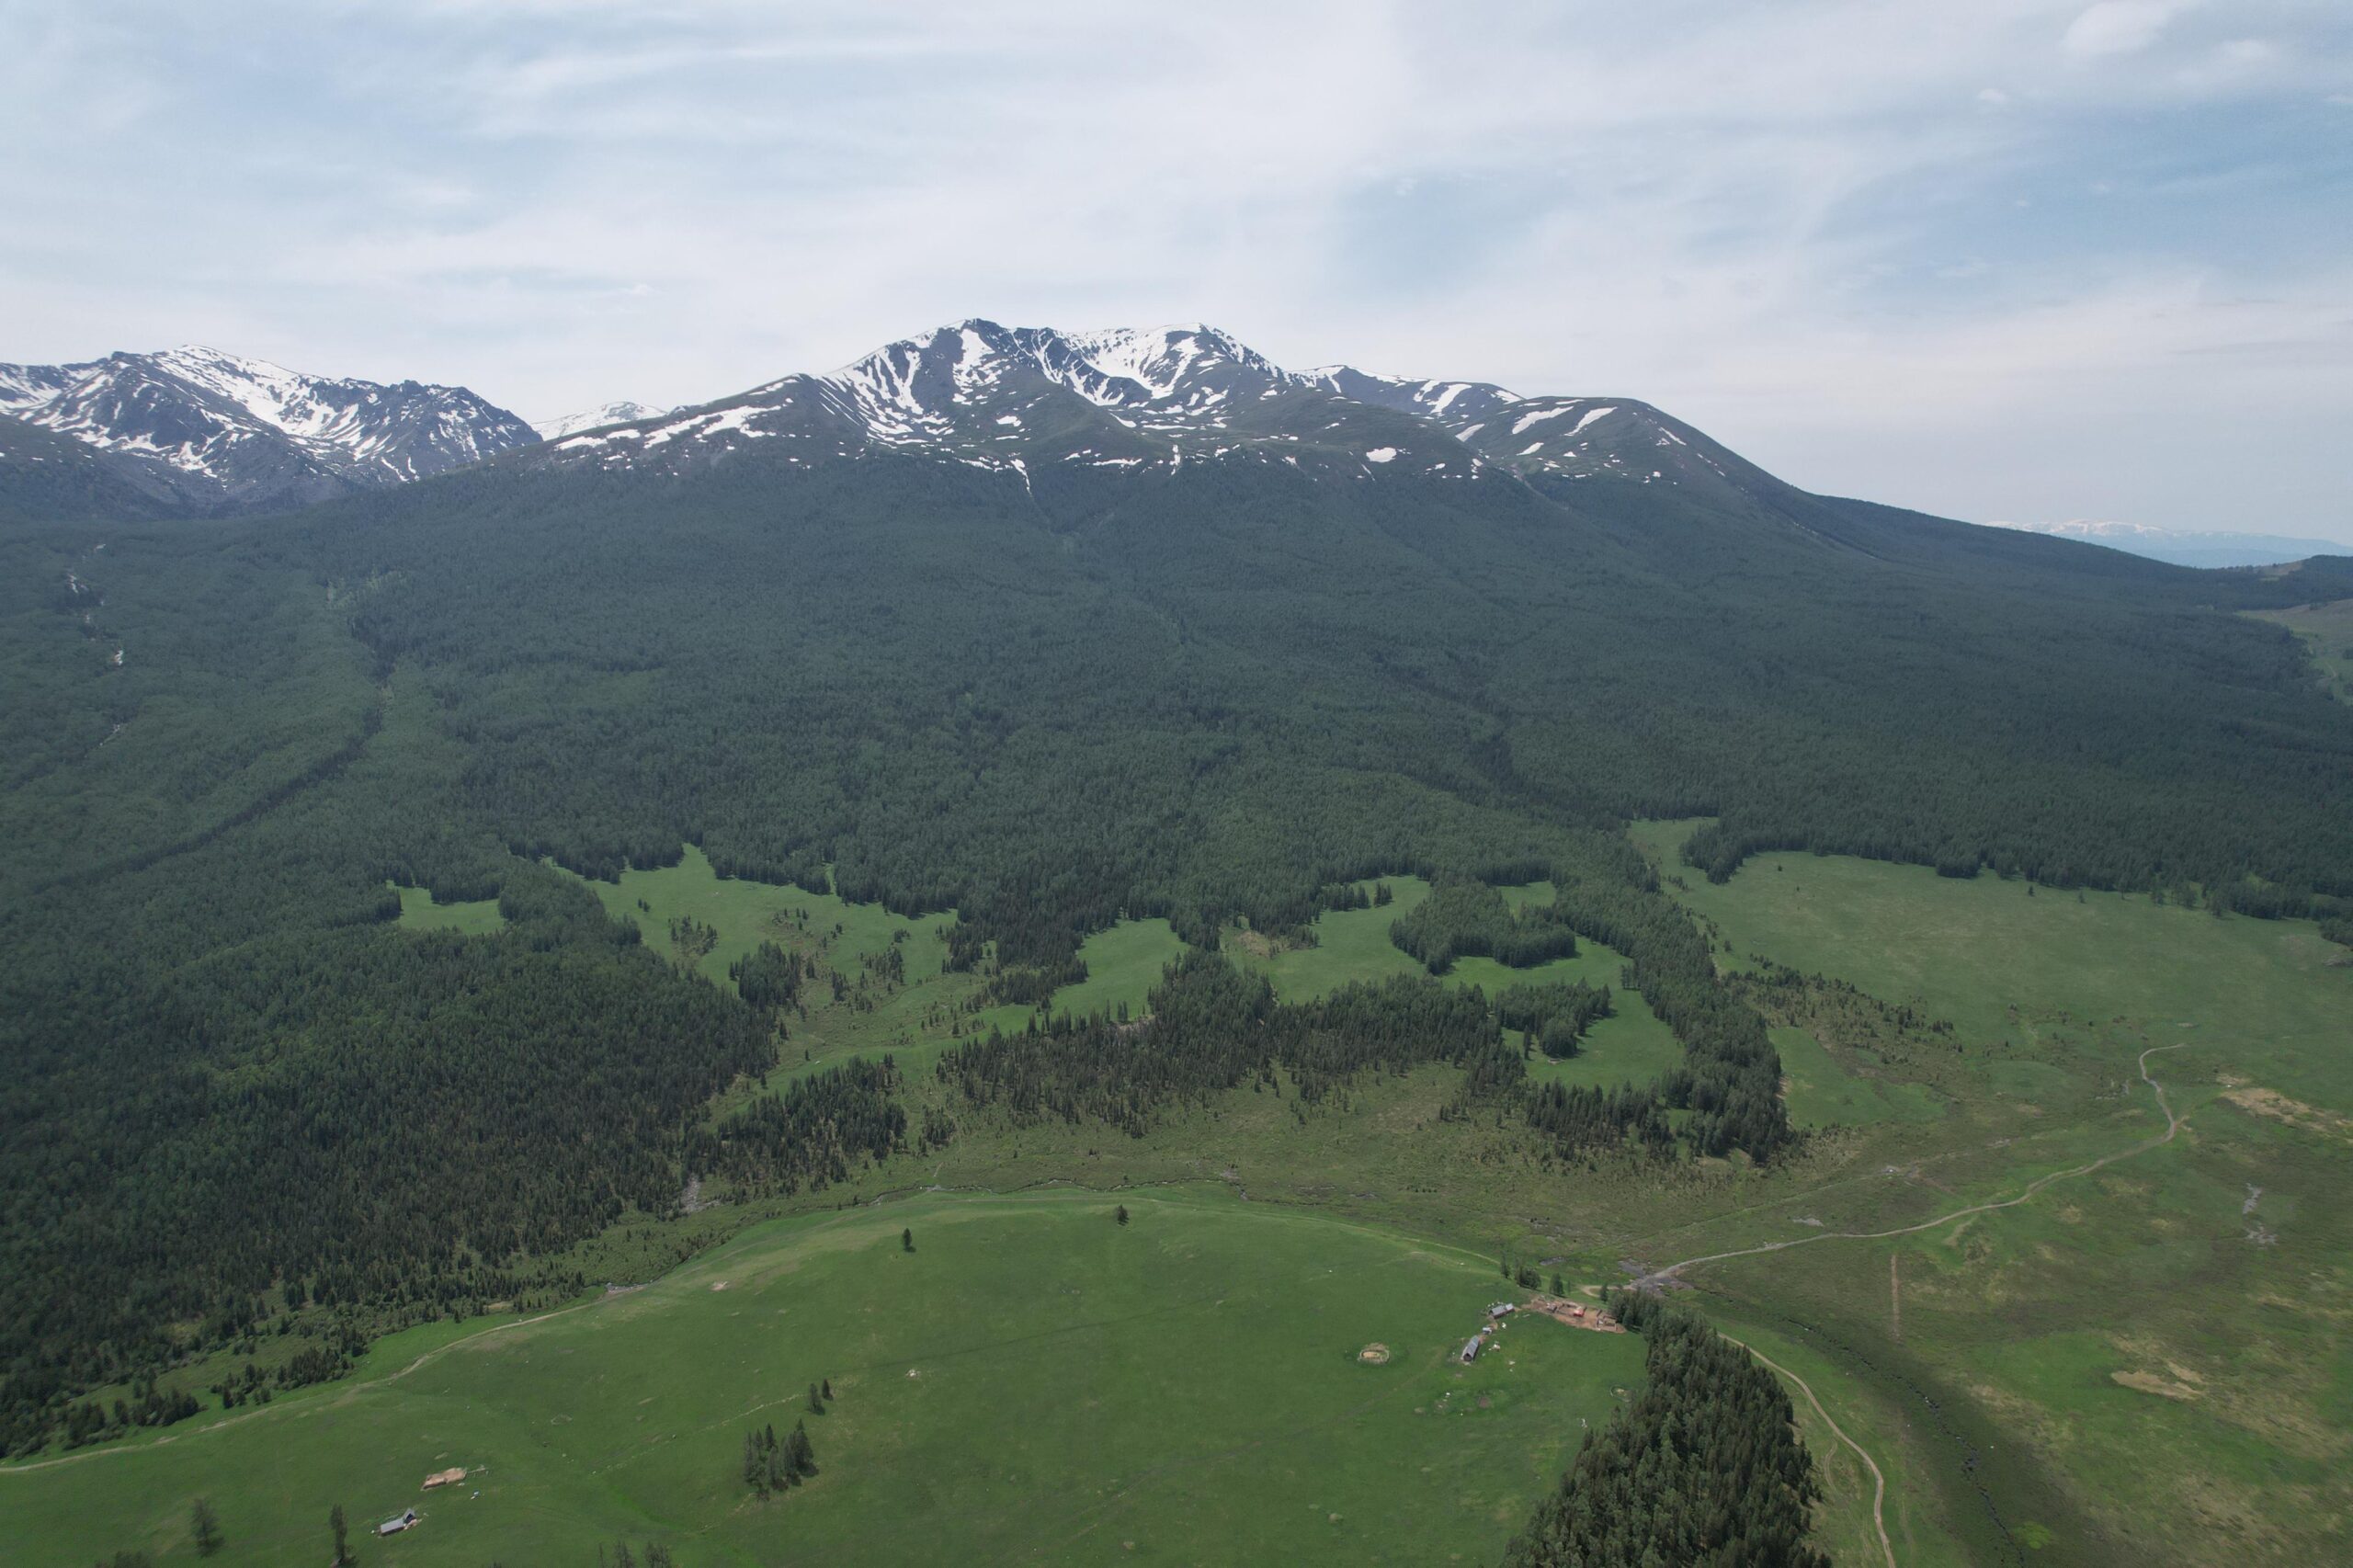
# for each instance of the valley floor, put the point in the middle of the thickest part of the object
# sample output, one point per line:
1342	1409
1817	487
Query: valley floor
2031	1310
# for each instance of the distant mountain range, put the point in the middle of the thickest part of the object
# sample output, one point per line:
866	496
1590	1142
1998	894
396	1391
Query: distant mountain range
2190	548
193	430
1030	399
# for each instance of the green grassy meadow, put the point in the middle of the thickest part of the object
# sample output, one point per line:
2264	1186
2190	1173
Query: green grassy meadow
2135	1362
1123	964
1033	1383
471	918
2139	1361
746	912
1632	1046
1822	1093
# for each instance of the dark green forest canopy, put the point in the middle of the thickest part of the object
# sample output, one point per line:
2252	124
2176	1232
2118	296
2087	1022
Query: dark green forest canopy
1209	694
1705	1466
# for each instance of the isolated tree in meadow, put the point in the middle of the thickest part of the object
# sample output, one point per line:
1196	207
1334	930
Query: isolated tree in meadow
1556	1286
622	1556
1120	1215
657	1555
828	1385
908	1240
816	1406
204	1527
342	1536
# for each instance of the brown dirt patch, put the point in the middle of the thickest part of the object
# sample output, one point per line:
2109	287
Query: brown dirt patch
2295	1113
1374	1355
2150	1382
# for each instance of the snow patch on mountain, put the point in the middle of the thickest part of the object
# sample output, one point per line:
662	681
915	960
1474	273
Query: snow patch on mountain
211	429
1019	399
617	413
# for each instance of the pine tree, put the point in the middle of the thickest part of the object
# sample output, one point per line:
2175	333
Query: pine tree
908	1240
1120	1215
802	1455
816	1406
623	1557
342	1536
755	1464
829	1387
204	1527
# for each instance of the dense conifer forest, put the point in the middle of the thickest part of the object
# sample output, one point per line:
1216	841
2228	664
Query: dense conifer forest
1703	1467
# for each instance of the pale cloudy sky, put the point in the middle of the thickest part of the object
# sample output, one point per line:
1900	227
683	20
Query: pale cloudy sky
2024	259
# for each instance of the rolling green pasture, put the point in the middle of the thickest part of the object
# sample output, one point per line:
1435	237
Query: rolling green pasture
1032	1383
2143	1361
1822	1093
471	918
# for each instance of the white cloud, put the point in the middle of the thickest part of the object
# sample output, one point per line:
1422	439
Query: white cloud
2120	27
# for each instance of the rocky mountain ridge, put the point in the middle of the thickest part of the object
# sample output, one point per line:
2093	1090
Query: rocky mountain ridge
194	429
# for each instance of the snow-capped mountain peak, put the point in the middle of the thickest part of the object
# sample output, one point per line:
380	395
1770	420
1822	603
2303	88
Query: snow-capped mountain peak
915	384
206	430
1019	398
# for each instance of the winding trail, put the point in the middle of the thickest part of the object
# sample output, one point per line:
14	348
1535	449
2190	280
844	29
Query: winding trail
1879	1482
1673	1271
2174	1124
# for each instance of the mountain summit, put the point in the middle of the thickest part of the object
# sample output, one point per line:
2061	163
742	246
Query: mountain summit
194	429
1020	398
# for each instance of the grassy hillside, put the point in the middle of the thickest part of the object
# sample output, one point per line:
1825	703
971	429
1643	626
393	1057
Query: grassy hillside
1033	1382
